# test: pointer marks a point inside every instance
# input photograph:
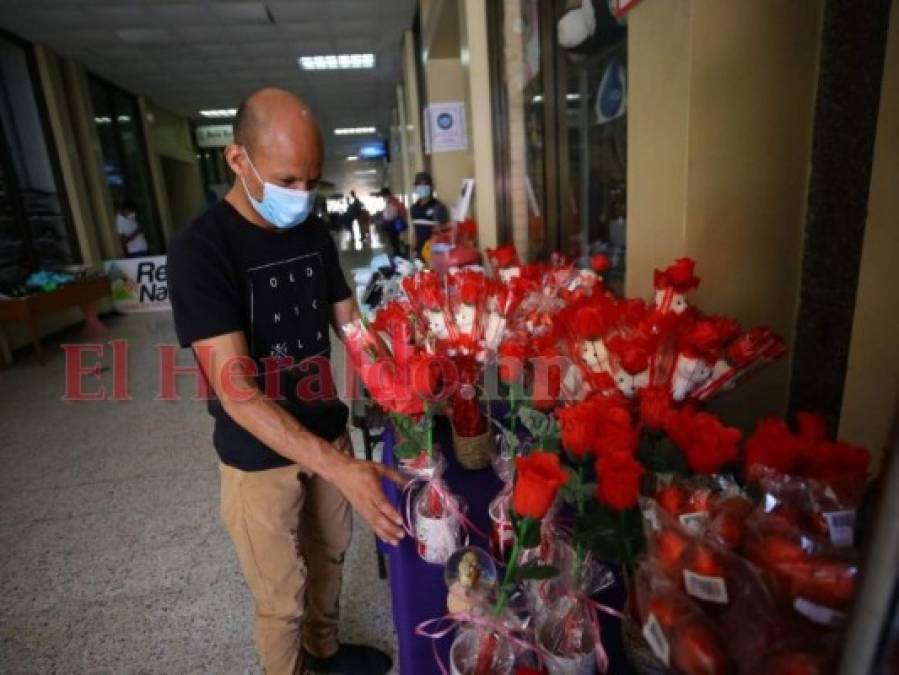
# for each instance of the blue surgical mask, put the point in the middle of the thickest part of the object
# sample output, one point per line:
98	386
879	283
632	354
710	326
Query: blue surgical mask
282	207
422	192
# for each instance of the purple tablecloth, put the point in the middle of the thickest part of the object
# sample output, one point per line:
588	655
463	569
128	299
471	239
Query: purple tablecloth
417	588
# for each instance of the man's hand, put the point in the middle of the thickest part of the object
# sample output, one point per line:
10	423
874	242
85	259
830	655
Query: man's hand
360	483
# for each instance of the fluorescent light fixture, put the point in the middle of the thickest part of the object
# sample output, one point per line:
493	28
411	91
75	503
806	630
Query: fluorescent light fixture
123	118
352	158
225	112
102	120
351	131
573	97
365	172
537	98
337	62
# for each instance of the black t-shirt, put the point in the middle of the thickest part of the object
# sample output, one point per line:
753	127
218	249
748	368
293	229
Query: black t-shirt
226	274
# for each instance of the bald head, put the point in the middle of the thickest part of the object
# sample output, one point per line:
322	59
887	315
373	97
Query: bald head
276	140
268	109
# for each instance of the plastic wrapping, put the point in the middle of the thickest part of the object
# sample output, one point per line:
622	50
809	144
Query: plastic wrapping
439	524
478	650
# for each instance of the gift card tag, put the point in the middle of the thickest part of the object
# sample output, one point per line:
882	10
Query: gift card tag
695	522
711	589
841	526
655	637
818	613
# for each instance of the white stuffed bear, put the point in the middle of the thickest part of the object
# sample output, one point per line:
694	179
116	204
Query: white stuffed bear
629	384
689	372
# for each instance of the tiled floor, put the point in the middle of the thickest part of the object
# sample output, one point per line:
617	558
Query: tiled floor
112	555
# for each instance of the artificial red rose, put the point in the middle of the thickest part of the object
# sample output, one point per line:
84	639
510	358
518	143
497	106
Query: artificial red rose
513	355
618	481
726	327
700	339
753	344
615	432
655	402
707	444
632	353
578	426
836	462
772	445
503	256
472	286
392	392
811	427
678	276
587	322
669	547
538	479
599	263
547	380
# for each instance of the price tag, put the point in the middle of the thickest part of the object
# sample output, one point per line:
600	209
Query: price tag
695	522
711	589
655	638
818	613
841	526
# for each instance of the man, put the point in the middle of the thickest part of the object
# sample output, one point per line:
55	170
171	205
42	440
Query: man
393	220
255	283
133	241
427	212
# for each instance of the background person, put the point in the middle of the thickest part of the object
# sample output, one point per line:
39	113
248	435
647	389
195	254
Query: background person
427	212
393	221
255	284
134	243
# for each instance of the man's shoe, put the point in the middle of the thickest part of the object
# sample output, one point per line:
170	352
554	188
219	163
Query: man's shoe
350	660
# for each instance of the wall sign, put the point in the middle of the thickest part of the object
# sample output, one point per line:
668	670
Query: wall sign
214	135
445	127
139	284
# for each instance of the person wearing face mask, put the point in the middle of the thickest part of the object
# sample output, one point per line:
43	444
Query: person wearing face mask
255	283
427	213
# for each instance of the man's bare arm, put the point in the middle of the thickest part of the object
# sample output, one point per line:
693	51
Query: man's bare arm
228	367
342	313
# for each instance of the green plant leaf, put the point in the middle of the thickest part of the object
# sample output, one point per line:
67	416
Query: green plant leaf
407	450
534	421
534	570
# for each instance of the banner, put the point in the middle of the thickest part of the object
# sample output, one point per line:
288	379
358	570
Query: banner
139	284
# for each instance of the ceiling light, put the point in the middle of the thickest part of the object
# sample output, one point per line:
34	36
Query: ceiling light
351	131
337	62
102	120
226	112
365	172
573	97
352	158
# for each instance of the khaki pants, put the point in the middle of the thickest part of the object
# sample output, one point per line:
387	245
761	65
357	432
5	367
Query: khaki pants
291	530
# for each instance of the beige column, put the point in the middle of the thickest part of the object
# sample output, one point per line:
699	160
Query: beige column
720	113
871	394
447	82
157	179
475	47
414	137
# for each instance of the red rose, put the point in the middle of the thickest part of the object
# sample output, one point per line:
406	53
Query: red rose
707	444
587	322
632	353
655	402
538	479
700	339
836	463
599	263
424	373
578	425
392	393
772	445
615	432
511	362
618	481
811	427
678	276
503	256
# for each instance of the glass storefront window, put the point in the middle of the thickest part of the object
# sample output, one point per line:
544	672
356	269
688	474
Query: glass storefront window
125	162
35	230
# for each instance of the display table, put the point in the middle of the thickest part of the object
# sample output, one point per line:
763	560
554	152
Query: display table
418	589
84	294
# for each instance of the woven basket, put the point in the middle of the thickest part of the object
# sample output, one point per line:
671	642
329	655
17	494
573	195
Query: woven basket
638	651
474	452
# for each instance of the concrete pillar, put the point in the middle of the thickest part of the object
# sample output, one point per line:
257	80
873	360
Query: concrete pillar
720	112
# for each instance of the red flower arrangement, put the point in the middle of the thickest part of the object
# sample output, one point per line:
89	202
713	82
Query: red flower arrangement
539	478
